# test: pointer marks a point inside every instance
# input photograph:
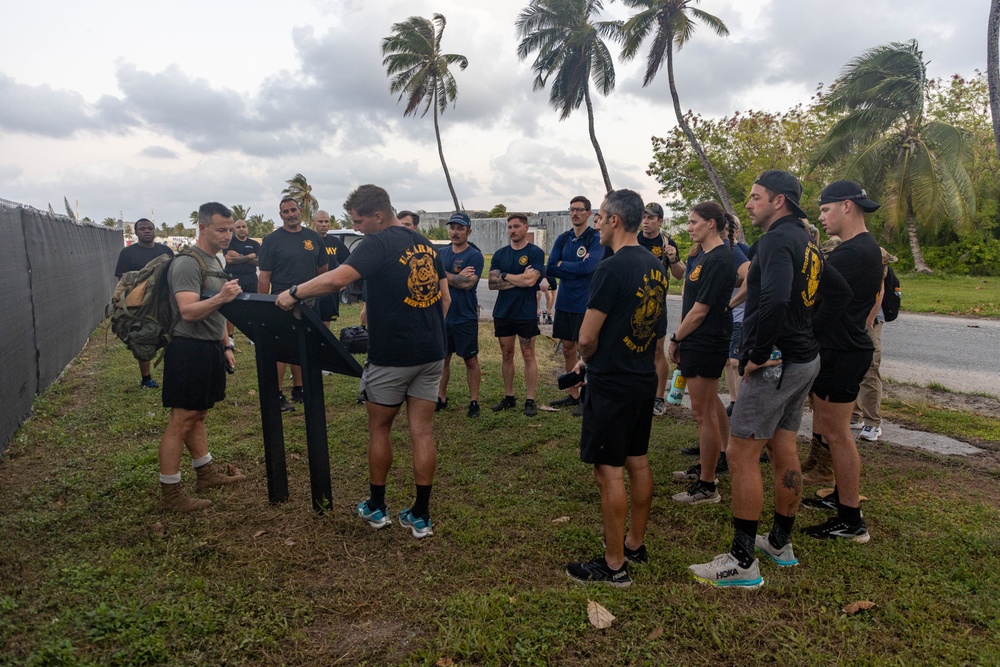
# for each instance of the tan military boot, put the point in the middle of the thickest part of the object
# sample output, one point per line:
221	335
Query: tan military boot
818	468
173	499
209	477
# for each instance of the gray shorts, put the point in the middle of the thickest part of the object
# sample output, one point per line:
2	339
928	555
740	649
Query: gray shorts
763	407
390	385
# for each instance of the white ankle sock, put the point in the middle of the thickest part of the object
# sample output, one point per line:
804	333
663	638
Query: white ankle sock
203	461
170	479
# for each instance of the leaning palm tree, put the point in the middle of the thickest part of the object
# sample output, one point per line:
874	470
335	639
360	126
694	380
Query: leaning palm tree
674	22
420	73
300	190
571	51
993	67
884	141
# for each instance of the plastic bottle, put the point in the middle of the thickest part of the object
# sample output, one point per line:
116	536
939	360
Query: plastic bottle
677	387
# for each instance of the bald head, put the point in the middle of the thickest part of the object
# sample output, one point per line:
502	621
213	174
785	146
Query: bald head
321	222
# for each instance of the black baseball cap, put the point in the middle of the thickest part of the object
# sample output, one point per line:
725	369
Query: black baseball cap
782	183
654	209
847	191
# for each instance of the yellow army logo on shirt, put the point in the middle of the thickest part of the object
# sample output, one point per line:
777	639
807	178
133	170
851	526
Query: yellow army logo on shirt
331	250
696	273
523	260
657	251
307	244
812	266
651	296
423	279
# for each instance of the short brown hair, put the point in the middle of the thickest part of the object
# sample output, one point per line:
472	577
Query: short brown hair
367	199
518	216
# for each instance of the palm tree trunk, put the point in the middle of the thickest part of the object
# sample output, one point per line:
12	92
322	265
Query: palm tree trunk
993	68
444	165
919	263
724	199
593	140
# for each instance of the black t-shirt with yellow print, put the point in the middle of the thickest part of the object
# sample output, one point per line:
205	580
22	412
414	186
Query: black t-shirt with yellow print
629	287
710	281
402	273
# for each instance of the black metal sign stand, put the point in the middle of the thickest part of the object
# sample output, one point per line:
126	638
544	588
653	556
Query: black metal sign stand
296	337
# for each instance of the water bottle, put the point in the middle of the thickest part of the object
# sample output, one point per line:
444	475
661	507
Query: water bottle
677	386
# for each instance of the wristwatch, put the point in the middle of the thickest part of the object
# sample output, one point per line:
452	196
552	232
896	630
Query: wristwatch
673	338
229	347
291	292
503	276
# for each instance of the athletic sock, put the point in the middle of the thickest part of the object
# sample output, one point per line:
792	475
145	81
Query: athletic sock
744	537
147	377
377	496
421	506
202	461
781	531
710	486
170	479
849	515
819	441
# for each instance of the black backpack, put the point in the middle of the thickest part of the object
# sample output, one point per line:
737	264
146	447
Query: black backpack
891	298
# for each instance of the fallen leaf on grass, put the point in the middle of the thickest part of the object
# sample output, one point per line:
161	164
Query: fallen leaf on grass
159	529
294	456
854	607
444	662
546	408
259	533
289	542
600	617
560	519
655	633
512	599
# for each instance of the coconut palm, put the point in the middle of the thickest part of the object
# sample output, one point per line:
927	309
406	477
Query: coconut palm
419	71
240	212
300	190
672	23
884	141
993	67
571	51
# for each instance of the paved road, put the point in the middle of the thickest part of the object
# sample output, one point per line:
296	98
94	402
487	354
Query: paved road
960	353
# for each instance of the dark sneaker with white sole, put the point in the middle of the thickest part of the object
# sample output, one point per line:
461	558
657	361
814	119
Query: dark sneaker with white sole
837	528
598	571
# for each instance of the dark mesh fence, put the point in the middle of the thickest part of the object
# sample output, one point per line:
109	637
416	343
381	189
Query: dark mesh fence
56	278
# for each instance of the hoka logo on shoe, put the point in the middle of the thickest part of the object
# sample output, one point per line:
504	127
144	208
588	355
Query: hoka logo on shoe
725	574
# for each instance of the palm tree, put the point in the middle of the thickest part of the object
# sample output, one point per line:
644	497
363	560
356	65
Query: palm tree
993	67
420	73
884	141
300	190
240	212
674	23
193	218
571	50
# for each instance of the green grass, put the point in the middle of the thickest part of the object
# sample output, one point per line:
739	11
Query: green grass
976	296
93	573
941	419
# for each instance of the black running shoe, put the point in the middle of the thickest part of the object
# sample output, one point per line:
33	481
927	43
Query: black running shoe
637	556
149	383
530	409
506	403
694	451
284	404
597	570
566	402
828	503
473	409
837	528
297	395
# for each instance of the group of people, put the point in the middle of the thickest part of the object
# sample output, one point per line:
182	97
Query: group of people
802	334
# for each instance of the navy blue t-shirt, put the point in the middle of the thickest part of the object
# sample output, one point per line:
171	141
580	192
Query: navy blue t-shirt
464	302
517	303
402	273
579	256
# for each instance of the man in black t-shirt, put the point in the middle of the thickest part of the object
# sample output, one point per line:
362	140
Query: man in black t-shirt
290	255
337	253
845	354
241	263
408	293
133	258
664	248
624	322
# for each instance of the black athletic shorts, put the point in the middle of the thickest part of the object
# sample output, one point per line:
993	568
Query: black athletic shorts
328	307
840	374
502	327
701	364
566	326
463	339
614	427
248	283
194	374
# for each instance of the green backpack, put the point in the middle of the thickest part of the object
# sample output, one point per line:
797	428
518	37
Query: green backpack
140	310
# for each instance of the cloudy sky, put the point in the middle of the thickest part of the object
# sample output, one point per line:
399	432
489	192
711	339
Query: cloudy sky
150	109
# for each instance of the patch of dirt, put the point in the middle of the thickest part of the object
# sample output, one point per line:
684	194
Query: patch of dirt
981	405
